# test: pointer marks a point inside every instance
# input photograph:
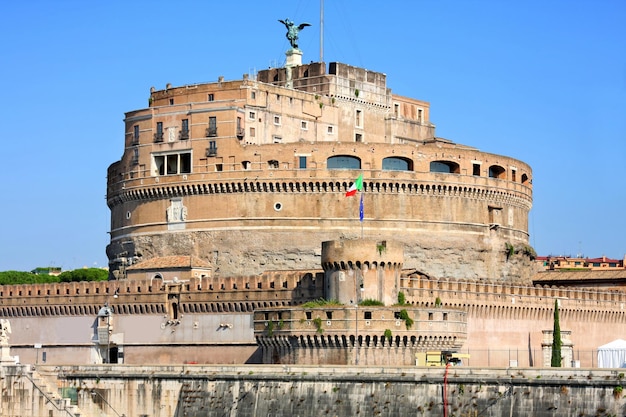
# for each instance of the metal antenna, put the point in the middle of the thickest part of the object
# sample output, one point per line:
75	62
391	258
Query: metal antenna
321	30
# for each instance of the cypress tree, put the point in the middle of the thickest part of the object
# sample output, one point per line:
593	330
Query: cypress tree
555	362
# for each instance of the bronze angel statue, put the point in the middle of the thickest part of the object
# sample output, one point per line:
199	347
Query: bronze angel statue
293	31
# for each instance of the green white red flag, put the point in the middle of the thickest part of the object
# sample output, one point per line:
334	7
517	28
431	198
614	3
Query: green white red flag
357	185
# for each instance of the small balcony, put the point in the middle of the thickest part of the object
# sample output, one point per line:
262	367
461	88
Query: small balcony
158	137
212	151
241	132
211	132
184	134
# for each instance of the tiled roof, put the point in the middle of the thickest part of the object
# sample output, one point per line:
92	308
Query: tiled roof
168	262
565	276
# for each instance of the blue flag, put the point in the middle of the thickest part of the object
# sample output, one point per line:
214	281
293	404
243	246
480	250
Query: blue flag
361	209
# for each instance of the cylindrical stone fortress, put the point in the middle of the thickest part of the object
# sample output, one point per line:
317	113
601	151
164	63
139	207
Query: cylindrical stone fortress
250	176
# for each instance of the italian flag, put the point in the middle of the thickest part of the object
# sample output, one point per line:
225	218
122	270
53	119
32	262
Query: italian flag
357	185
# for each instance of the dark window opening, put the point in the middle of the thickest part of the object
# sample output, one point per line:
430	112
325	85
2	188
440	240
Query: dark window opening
184	130
343	162
173	164
329	315
136	134
212	150
302	162
158	136
476	170
397	164
445	167
496	171
367	315
212	130
211	97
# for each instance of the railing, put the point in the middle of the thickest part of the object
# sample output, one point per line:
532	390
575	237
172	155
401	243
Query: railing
158	137
211	132
524	358
49	399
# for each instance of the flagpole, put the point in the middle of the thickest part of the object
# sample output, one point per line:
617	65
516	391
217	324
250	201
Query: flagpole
361	213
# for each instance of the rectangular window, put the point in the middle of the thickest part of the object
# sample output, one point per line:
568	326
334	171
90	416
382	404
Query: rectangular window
171	102
252	115
252	132
277	120
253	95
136	134
240	131
212	150
158	136
304	125
358	137
396	110
212	130
135	160
476	170
211	97
184	129
513	175
219	167
330	130
277	139
173	164
302	162
358	118
419	115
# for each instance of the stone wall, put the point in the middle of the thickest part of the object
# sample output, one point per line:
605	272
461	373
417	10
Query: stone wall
310	391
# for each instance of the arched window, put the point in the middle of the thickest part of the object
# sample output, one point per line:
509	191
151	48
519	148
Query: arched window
524	178
496	171
343	162
395	163
445	167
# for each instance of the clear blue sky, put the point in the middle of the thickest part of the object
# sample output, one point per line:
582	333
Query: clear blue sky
541	81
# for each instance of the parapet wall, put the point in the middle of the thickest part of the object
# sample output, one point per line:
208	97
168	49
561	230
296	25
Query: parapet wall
312	391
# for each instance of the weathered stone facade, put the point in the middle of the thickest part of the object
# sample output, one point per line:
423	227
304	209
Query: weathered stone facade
242	391
250	176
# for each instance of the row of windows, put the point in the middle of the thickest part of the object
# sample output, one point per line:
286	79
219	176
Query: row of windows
180	163
184	133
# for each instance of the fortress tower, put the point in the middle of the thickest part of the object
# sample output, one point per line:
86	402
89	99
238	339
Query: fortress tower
248	176
381	331
356	270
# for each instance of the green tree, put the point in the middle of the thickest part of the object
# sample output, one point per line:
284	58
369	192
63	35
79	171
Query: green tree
555	362
84	274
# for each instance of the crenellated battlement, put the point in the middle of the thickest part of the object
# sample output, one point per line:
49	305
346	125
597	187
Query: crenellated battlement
246	293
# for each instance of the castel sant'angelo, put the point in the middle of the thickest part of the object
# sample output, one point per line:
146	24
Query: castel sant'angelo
229	213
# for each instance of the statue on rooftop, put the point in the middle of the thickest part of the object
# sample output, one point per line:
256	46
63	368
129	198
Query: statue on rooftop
293	31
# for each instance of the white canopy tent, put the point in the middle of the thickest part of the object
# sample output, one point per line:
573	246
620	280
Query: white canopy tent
612	355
